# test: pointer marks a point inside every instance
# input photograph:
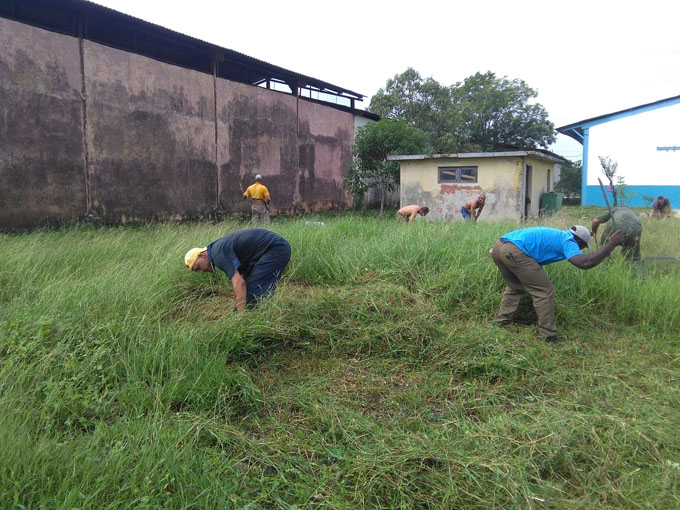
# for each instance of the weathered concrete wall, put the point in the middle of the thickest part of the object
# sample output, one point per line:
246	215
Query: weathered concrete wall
501	178
88	128
151	137
325	140
257	134
539	181
41	139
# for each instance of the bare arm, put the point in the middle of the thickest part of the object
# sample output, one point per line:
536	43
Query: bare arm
595	225
413	216
239	291
479	211
590	260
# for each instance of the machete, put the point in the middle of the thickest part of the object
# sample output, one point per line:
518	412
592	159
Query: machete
609	207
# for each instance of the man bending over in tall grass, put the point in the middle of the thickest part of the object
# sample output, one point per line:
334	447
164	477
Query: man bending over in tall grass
626	221
520	256
253	258
411	211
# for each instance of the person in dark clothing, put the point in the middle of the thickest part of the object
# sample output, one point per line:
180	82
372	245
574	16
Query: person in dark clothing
253	258
661	208
628	223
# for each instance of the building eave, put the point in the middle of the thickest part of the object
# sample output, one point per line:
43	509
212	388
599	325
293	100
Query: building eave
538	153
576	130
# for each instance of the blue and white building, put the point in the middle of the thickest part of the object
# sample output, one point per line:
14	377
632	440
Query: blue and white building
643	140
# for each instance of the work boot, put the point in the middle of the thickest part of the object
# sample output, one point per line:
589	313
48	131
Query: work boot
555	339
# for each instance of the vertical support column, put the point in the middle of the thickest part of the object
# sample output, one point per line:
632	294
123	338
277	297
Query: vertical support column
297	196
584	168
218	183
83	96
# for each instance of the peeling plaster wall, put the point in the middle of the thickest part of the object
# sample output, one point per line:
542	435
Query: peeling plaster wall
88	128
539	181
151	137
256	134
41	139
325	140
501	178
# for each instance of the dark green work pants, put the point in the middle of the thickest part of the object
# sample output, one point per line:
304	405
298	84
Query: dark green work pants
523	274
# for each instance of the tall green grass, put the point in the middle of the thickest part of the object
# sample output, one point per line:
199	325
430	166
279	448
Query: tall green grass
373	378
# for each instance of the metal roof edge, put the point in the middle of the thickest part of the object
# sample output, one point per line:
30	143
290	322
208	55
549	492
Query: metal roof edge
541	153
256	63
608	117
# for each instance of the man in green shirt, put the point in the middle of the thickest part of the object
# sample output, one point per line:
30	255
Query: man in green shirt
628	223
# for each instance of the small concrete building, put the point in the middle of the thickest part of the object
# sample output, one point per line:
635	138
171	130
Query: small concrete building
513	181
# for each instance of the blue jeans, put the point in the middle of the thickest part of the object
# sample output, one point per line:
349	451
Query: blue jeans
266	273
465	213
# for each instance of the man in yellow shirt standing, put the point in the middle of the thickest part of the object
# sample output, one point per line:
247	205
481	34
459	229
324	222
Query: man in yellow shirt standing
259	207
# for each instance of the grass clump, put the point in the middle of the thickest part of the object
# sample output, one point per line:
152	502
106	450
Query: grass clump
373	378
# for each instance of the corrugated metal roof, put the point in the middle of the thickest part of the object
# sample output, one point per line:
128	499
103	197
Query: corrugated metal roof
107	26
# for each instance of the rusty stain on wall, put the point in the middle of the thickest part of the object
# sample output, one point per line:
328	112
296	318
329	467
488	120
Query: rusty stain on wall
163	142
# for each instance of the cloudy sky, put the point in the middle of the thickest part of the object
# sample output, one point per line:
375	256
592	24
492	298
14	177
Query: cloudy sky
584	57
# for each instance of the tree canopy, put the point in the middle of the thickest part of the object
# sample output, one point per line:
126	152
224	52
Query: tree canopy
372	144
483	113
570	180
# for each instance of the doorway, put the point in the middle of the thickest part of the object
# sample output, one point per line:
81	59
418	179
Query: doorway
527	191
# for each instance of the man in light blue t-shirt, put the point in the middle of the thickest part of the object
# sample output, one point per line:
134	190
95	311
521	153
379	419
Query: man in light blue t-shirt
520	256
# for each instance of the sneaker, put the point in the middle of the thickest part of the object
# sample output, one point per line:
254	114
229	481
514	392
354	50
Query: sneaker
555	340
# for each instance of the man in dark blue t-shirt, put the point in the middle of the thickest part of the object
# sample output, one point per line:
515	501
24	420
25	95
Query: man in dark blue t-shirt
254	259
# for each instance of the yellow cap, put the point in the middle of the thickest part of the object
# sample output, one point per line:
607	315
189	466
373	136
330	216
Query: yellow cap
192	255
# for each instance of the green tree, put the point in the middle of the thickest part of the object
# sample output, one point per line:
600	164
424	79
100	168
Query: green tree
570	180
497	114
422	103
484	113
372	144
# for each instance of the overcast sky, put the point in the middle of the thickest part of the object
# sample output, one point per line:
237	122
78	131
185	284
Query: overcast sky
584	57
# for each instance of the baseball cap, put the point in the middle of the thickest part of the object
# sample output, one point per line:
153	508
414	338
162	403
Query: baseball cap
258	177
582	233
191	256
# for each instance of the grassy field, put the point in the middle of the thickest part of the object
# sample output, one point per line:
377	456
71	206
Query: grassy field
374	378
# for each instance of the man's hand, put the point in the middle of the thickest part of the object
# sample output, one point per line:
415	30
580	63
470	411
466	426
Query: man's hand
617	238
592	259
239	291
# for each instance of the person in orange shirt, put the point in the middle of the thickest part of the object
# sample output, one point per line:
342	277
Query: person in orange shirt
259	206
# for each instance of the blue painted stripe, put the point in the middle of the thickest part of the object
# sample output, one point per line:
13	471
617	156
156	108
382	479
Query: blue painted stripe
672	193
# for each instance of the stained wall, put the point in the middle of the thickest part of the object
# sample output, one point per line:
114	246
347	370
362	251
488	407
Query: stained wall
42	174
502	179
85	128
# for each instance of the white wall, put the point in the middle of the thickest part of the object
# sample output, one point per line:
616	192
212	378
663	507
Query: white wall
632	142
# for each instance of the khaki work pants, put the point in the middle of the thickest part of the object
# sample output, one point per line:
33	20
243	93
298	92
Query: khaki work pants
523	274
259	214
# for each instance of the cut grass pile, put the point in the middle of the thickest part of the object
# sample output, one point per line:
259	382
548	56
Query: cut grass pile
373	378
